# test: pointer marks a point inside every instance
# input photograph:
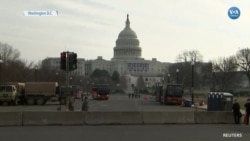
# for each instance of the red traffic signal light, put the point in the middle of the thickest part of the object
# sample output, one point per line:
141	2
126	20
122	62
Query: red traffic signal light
63	61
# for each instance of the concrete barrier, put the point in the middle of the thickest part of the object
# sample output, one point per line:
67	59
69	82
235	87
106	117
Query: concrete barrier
107	118
214	117
10	118
171	117
53	118
93	118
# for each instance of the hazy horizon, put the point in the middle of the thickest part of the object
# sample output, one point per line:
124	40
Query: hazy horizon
91	27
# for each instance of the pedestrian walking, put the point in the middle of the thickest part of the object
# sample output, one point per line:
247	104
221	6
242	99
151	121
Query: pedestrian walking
236	112
70	103
22	97
247	106
135	92
85	104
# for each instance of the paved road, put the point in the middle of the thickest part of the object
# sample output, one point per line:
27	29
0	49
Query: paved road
116	102
127	133
123	103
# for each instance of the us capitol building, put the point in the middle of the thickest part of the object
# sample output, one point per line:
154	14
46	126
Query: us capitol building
127	60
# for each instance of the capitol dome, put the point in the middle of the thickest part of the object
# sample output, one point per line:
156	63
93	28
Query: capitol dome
127	44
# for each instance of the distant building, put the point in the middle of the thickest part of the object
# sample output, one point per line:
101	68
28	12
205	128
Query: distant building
53	63
127	60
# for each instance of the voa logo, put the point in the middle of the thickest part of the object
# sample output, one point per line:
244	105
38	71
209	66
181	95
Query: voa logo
234	13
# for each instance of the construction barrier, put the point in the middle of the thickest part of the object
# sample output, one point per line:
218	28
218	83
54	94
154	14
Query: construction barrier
171	117
53	118
10	118
113	118
213	117
116	118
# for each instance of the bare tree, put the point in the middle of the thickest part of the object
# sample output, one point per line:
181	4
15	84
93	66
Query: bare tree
13	68
184	66
8	53
183	57
223	72
243	61
189	56
195	56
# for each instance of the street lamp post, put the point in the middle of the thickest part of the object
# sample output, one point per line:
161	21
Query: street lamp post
81	82
213	81
57	77
71	80
168	78
177	76
117	87
36	73
192	87
87	88
81	87
1	61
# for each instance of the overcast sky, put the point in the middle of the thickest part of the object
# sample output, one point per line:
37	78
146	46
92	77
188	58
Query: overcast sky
165	28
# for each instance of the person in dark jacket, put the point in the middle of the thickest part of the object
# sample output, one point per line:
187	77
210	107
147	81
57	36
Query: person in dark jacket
247	106
85	104
22	97
236	111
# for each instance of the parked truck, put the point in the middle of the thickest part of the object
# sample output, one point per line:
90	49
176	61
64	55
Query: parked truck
32	93
10	92
40	92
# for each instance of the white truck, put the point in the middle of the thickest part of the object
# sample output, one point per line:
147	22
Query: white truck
10	92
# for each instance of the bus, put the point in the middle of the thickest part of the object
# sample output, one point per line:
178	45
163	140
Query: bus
100	92
172	94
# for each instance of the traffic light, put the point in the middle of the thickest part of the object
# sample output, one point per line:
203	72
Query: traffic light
75	61
63	61
72	61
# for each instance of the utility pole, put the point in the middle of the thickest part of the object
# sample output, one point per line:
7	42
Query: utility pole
69	100
169	78
192	87
177	76
67	69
